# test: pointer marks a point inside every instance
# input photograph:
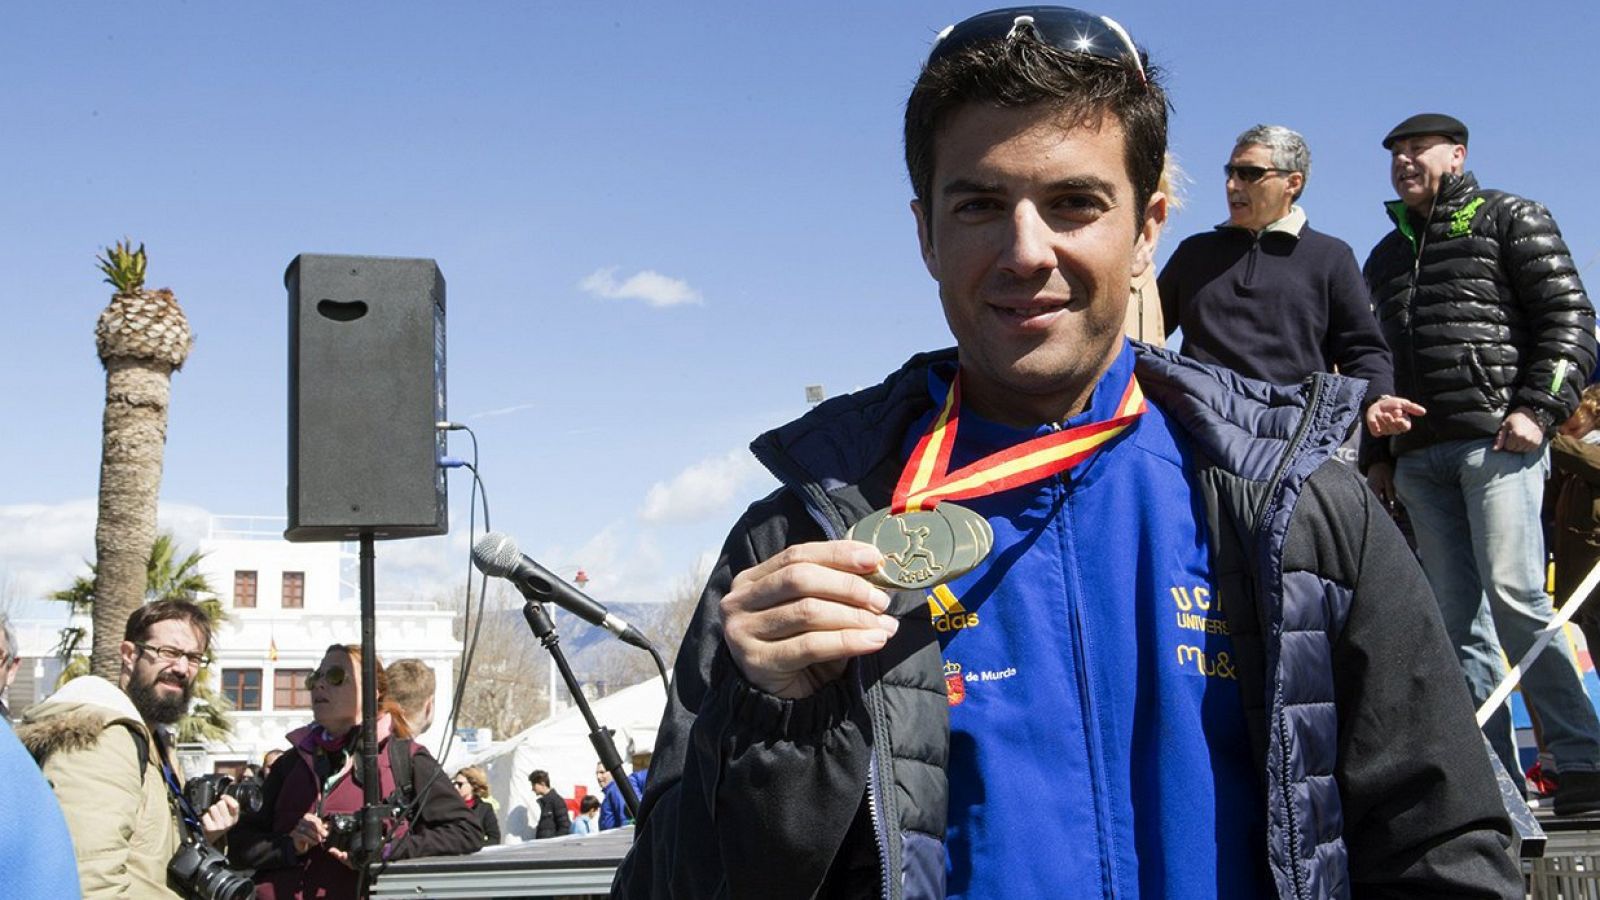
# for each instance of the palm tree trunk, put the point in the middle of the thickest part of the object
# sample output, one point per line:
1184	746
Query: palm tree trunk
134	435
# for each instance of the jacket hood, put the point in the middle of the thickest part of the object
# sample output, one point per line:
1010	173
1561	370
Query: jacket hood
74	717
1237	423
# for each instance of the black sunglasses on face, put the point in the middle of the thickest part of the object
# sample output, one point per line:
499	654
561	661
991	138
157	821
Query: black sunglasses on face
333	675
1066	29
1250	174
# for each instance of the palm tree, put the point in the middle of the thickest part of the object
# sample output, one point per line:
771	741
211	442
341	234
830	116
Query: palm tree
142	337
167	577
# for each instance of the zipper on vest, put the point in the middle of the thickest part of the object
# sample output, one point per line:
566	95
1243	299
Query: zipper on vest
1290	451
875	803
1288	808
1280	721
1411	294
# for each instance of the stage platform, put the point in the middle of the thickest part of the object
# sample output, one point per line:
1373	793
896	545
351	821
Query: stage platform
581	867
1569	869
574	867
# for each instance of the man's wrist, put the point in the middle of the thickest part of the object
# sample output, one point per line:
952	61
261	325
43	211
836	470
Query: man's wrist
1545	419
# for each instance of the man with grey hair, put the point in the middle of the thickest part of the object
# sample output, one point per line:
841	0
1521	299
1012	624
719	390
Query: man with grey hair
10	659
1265	294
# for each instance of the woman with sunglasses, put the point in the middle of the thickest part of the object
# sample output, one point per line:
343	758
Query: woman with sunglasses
297	843
473	786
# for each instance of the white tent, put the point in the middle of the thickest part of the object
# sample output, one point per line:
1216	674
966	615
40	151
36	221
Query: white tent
560	745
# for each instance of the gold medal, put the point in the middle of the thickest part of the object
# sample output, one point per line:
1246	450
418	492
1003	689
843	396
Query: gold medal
925	548
925	539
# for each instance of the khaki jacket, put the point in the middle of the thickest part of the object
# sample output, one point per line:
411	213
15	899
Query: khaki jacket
123	827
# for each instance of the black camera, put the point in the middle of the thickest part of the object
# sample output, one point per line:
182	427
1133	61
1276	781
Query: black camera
344	829
344	832
203	874
204	790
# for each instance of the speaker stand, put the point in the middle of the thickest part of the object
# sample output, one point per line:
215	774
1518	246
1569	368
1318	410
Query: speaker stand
372	813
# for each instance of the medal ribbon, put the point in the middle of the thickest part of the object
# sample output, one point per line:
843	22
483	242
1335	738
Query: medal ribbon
927	480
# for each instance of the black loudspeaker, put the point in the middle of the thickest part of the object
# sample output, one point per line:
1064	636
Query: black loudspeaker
366	389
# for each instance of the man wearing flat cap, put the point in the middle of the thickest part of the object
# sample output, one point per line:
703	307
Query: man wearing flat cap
1493	339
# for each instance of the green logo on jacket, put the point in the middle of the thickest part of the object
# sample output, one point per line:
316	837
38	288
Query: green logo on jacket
1461	220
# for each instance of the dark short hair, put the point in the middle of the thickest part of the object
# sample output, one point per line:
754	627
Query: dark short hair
1023	71
539	776
588	803
139	624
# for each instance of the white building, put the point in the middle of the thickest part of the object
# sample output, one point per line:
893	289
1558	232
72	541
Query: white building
286	603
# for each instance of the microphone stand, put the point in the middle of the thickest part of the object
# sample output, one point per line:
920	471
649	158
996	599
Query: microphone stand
545	630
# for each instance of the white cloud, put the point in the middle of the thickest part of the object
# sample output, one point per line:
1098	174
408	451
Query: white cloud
429	568
623	564
47	544
702	490
502	411
652	287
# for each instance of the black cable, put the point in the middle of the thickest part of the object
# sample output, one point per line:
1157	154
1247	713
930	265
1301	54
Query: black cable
469	651
661	666
413	813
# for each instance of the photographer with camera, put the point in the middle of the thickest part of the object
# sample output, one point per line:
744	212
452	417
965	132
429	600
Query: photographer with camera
107	752
304	841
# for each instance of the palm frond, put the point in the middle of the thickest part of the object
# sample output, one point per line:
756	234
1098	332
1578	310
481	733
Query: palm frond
124	266
77	664
207	719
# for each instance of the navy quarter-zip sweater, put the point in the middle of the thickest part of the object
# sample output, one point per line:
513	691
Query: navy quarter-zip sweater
1275	306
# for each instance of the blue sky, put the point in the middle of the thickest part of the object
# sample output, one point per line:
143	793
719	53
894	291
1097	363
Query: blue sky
657	224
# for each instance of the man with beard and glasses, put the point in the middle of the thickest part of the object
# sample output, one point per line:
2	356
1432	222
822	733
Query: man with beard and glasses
107	751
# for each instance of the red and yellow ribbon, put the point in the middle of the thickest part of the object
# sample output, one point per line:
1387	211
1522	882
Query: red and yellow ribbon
927	480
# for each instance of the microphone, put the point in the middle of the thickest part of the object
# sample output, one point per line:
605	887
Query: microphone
497	554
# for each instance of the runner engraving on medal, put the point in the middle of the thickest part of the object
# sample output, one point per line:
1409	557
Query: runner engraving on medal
917	552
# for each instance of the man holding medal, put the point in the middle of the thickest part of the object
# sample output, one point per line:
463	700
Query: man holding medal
1052	614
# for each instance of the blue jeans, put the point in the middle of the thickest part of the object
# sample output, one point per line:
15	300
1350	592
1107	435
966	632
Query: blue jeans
1476	516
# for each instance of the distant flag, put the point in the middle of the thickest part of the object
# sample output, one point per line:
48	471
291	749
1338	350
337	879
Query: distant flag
272	649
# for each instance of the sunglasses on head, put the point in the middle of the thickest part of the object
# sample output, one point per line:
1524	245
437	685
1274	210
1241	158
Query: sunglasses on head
333	675
1066	29
1250	174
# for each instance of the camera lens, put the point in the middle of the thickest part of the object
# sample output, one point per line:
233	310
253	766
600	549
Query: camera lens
204	874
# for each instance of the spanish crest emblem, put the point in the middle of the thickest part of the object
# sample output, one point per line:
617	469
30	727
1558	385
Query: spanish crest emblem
955	687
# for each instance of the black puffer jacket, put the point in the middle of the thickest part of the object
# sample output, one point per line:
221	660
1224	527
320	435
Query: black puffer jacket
844	793
1483	311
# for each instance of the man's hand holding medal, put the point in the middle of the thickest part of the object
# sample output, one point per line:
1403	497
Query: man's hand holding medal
793	621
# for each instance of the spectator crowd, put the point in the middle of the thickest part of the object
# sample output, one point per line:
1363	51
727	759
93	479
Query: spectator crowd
96	803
